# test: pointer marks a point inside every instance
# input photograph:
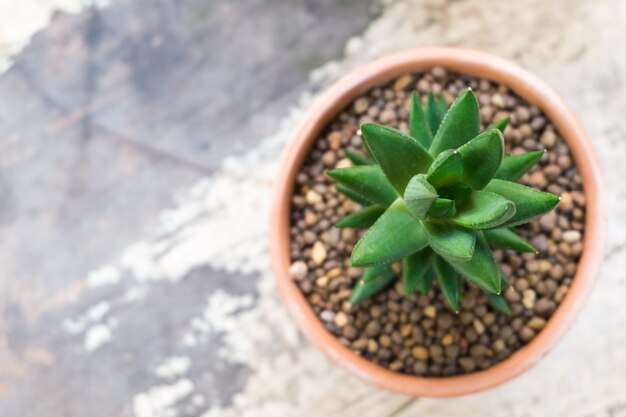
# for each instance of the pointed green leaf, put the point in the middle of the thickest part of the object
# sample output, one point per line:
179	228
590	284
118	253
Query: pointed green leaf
399	156
501	125
442	107
461	123
513	167
352	195
446	169
432	113
374	280
485	210
361	219
504	281
418	126
357	159
450	241
414	272
442	208
419	195
508	239
426	282
482	269
372	272
367	181
498	303
396	234
529	203
449	282
481	158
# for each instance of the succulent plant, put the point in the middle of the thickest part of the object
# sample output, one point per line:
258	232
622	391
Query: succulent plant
438	199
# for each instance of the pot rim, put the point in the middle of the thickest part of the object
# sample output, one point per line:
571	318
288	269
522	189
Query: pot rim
469	62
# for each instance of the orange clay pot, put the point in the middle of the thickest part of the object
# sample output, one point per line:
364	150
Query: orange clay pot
377	73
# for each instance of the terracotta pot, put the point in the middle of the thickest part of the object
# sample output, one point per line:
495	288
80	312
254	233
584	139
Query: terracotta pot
378	73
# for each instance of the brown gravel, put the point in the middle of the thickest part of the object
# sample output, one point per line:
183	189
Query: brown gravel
419	335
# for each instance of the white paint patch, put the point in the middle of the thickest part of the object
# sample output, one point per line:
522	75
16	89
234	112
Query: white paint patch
98	311
158	401
72	326
173	367
20	20
106	275
139	261
219	315
96	336
133	294
92	315
222	307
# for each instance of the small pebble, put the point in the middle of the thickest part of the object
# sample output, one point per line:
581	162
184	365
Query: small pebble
322	281
567	202
538	179
499	345
528	298
538	123
387	116
313	198
430	311
385	341
571	236
349	332
452	351
536	323
319	253
548	139
439	72
310	218
522	113
361	105
341	319
557	272
479	350
445	321
372	329
467	364
447	340
402	82
478	326
329	158
406	330
544	306
540	242
526	333
334	141
420	353
395	366
343	163
420	368
327	315
298	270
548	221
435	351
497	100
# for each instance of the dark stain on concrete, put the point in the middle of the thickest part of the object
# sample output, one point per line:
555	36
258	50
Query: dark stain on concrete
149	330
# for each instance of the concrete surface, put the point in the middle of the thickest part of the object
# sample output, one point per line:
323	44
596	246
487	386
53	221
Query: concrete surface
135	278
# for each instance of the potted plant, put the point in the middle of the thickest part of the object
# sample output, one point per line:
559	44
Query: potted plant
438	199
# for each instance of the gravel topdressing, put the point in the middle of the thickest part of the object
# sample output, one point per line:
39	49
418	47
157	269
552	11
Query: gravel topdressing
421	335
